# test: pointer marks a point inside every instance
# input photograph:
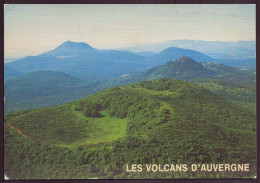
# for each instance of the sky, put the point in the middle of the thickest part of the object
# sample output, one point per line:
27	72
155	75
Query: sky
32	29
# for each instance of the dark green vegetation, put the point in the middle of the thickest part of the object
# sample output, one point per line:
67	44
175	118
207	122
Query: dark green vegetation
242	92
236	85
158	121
43	88
227	72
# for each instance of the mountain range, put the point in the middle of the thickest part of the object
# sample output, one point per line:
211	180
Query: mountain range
235	54
83	61
215	49
47	88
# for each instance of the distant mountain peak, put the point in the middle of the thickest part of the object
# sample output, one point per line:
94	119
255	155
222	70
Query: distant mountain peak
174	53
69	49
172	48
74	45
68	41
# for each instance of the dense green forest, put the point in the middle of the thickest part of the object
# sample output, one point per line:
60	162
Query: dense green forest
241	92
165	121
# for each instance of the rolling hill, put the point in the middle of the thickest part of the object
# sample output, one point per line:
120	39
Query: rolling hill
174	53
152	122
10	73
42	89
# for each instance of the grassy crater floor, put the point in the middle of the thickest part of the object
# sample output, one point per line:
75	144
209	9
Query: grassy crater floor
66	127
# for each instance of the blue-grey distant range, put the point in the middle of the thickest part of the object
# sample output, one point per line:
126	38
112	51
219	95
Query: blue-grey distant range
238	54
83	61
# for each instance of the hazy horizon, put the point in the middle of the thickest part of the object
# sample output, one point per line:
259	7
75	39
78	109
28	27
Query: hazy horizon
34	29
14	57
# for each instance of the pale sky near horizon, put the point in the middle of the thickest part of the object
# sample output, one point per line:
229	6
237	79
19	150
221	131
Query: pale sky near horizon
34	29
